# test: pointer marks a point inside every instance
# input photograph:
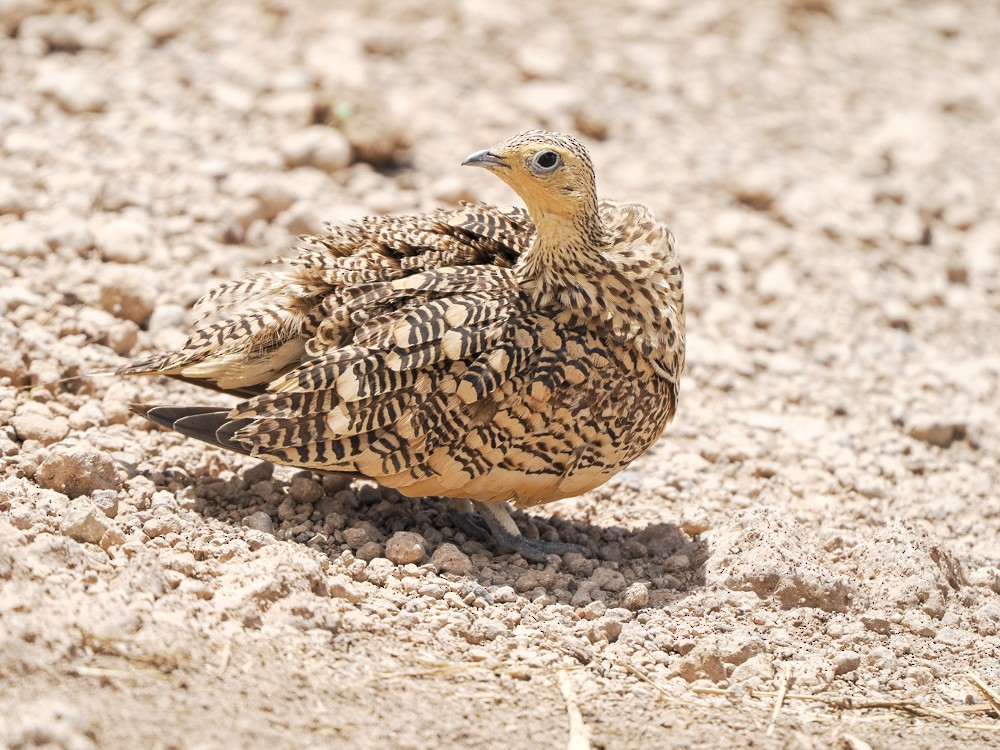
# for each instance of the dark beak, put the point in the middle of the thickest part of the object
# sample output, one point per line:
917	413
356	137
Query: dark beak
484	159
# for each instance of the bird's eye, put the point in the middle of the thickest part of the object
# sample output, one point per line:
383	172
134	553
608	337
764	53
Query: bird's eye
545	161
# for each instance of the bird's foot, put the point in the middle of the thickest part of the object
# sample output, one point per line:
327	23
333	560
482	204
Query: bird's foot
506	535
464	518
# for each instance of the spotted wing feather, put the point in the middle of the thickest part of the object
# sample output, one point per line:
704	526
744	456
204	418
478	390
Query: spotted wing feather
280	318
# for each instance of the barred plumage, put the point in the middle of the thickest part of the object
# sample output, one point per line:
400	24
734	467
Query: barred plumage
479	353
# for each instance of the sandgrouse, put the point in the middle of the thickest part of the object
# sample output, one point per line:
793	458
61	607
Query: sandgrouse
484	354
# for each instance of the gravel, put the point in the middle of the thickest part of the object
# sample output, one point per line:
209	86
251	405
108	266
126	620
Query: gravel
822	515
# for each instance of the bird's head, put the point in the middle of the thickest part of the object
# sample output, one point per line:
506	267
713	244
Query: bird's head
552	173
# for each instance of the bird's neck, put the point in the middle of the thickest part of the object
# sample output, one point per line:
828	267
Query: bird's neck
564	248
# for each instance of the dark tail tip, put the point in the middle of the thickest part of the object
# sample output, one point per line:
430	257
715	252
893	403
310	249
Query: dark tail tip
141	409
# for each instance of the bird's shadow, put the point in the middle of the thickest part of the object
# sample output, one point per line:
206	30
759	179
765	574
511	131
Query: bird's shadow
333	516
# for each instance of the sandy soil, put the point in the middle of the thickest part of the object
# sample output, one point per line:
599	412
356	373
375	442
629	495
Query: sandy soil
822	519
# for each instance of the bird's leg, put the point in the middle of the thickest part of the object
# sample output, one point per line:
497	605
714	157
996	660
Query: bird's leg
464	519
507	535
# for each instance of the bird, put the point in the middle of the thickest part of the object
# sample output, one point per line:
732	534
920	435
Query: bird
493	356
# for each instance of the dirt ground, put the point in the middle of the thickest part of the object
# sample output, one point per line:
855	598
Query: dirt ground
808	558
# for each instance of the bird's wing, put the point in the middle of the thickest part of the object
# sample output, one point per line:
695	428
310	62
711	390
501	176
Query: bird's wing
257	328
446	370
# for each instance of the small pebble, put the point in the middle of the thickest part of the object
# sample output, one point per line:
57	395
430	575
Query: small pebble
341	587
122	337
73	89
273	197
21	240
316	146
635	596
845	661
876	622
369	551
305	490
85	522
161	526
34	421
607	629
125	293
609	580
378	570
358	535
535	579
937	431
261	472
450	559
286	510
694	522
677	562
406	547
106	501
259	521
123	240
504	595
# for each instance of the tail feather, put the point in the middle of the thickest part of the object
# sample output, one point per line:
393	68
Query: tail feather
210	424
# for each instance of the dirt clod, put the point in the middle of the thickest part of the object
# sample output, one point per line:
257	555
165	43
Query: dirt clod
84	522
76	469
764	552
